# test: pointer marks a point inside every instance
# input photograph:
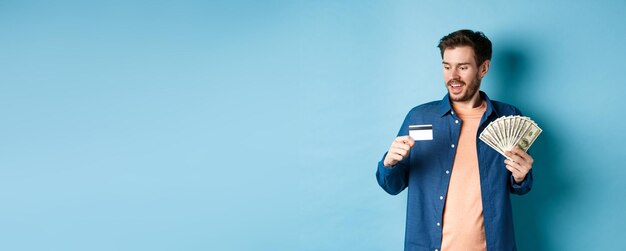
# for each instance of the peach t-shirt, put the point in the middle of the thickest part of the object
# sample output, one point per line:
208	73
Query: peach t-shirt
463	224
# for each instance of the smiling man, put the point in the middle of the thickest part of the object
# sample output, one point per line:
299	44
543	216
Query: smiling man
458	187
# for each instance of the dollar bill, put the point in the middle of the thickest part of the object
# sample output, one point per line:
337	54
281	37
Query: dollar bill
507	132
529	137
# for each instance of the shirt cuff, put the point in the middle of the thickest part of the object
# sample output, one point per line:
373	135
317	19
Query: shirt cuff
385	170
524	186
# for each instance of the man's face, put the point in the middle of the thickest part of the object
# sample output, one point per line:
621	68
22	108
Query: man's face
461	74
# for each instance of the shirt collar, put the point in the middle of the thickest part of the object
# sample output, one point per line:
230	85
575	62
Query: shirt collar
445	107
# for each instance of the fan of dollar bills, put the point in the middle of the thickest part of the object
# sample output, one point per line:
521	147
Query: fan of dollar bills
507	132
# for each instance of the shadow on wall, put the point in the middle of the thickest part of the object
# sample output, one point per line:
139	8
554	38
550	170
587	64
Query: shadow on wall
515	67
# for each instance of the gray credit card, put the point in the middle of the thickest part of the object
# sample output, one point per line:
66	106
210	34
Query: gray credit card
421	132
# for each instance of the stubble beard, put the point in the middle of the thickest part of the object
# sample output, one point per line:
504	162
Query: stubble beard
472	88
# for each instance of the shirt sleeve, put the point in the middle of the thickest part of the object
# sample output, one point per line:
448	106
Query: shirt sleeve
392	179
523	187
395	179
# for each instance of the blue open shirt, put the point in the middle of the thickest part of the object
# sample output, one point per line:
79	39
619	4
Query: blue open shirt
426	172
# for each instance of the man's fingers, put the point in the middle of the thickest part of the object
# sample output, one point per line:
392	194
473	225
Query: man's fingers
398	156
524	155
524	160
410	141
517	173
401	146
519	156
406	140
395	156
392	158
400	151
514	157
519	164
513	165
517	151
402	139
512	169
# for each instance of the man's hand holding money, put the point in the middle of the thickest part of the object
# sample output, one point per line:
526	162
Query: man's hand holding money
519	163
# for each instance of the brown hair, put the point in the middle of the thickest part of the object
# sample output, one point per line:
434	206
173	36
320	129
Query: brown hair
475	39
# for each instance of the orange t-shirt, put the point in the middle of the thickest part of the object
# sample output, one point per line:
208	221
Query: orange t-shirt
463	223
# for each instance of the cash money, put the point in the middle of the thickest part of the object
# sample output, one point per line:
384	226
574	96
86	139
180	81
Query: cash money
507	132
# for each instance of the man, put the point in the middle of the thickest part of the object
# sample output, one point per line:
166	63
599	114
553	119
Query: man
458	187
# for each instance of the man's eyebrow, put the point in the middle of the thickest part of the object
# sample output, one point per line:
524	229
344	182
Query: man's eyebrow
464	63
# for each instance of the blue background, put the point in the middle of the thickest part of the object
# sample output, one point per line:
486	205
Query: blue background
257	125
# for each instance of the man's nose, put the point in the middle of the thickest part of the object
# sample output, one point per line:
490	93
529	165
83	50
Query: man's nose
454	74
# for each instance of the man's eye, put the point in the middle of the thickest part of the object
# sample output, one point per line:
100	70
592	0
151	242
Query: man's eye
463	68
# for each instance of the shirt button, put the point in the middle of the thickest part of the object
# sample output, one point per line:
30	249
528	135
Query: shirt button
441	197
452	146
436	249
438	224
456	121
447	172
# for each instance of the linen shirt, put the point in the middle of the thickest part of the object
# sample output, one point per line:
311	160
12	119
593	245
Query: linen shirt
426	172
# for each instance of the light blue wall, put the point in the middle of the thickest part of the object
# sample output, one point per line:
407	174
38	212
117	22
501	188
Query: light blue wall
257	125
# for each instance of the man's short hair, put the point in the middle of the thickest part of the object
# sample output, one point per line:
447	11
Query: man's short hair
475	39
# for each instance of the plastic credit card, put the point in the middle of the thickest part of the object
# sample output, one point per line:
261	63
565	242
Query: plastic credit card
421	132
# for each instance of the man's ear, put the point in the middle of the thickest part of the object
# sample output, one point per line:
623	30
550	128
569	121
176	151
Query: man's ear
484	68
